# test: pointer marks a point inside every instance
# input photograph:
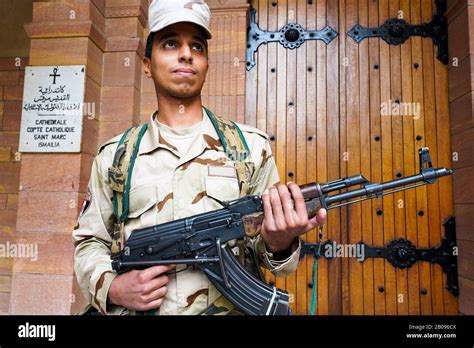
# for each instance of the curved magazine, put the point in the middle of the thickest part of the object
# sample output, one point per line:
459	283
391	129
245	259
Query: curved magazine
245	291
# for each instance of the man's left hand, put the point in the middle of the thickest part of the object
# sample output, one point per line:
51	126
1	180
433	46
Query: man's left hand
285	220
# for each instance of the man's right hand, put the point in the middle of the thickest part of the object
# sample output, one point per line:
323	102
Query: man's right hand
140	290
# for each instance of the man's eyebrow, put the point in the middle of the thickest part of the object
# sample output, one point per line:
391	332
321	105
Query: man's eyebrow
200	39
173	34
167	36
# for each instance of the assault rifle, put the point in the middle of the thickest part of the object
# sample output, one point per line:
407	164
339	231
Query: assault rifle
202	239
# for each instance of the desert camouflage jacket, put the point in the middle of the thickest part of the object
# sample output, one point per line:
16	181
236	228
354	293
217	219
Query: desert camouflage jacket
166	186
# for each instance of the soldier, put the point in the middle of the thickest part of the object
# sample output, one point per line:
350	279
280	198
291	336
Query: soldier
182	167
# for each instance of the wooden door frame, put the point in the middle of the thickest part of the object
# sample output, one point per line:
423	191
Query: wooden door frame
461	101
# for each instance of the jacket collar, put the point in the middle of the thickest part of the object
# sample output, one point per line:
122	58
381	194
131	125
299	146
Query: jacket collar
209	140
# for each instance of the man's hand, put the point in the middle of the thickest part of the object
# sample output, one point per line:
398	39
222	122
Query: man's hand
140	290
284	220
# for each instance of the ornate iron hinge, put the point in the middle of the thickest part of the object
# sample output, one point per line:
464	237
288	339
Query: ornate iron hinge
402	253
396	31
290	36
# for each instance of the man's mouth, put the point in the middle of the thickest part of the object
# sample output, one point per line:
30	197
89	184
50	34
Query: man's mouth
185	72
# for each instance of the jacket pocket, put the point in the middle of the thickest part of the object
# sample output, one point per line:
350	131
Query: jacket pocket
222	188
141	199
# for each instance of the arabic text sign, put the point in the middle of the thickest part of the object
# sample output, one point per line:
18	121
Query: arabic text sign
53	101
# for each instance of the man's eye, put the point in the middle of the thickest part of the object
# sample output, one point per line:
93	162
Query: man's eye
198	47
170	44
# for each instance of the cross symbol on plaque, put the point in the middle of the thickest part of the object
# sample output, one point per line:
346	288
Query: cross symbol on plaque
54	75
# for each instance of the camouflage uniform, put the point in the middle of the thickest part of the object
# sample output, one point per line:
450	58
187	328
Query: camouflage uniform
166	187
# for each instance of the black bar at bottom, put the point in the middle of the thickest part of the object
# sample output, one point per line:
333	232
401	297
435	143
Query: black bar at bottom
291	330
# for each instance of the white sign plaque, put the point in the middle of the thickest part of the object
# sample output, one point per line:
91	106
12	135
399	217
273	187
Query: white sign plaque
53	102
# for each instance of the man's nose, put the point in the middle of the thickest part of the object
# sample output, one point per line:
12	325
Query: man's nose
185	54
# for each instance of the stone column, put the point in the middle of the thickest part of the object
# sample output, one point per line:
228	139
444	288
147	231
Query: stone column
52	186
224	91
12	72
125	22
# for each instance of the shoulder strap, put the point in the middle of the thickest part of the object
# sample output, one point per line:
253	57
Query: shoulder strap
230	136
236	148
120	175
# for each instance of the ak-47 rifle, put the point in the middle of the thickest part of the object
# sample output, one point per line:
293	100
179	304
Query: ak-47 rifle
201	239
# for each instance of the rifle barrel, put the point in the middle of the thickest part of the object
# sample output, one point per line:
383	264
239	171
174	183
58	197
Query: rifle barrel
375	189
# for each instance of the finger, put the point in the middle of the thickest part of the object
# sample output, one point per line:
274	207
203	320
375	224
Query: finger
321	216
277	209
156	283
155	295
312	223
298	198
155	271
267	211
152	305
317	220
287	204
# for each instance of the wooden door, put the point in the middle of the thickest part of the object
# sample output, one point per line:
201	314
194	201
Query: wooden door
321	106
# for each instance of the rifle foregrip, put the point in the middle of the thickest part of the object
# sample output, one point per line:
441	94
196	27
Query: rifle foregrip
247	293
313	206
252	222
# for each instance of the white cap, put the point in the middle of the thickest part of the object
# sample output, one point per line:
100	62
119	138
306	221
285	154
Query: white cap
163	13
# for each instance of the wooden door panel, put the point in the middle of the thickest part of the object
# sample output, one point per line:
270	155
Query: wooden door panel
321	106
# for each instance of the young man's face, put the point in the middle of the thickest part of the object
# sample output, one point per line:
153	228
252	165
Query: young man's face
178	62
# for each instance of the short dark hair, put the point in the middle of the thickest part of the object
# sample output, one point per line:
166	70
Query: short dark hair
151	39
149	45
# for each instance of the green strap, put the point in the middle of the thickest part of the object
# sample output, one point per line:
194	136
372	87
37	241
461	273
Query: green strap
219	124
247	151
120	175
146	313
314	291
126	194
121	149
117	156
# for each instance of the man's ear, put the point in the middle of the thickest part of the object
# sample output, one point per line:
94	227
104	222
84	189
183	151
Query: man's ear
147	66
